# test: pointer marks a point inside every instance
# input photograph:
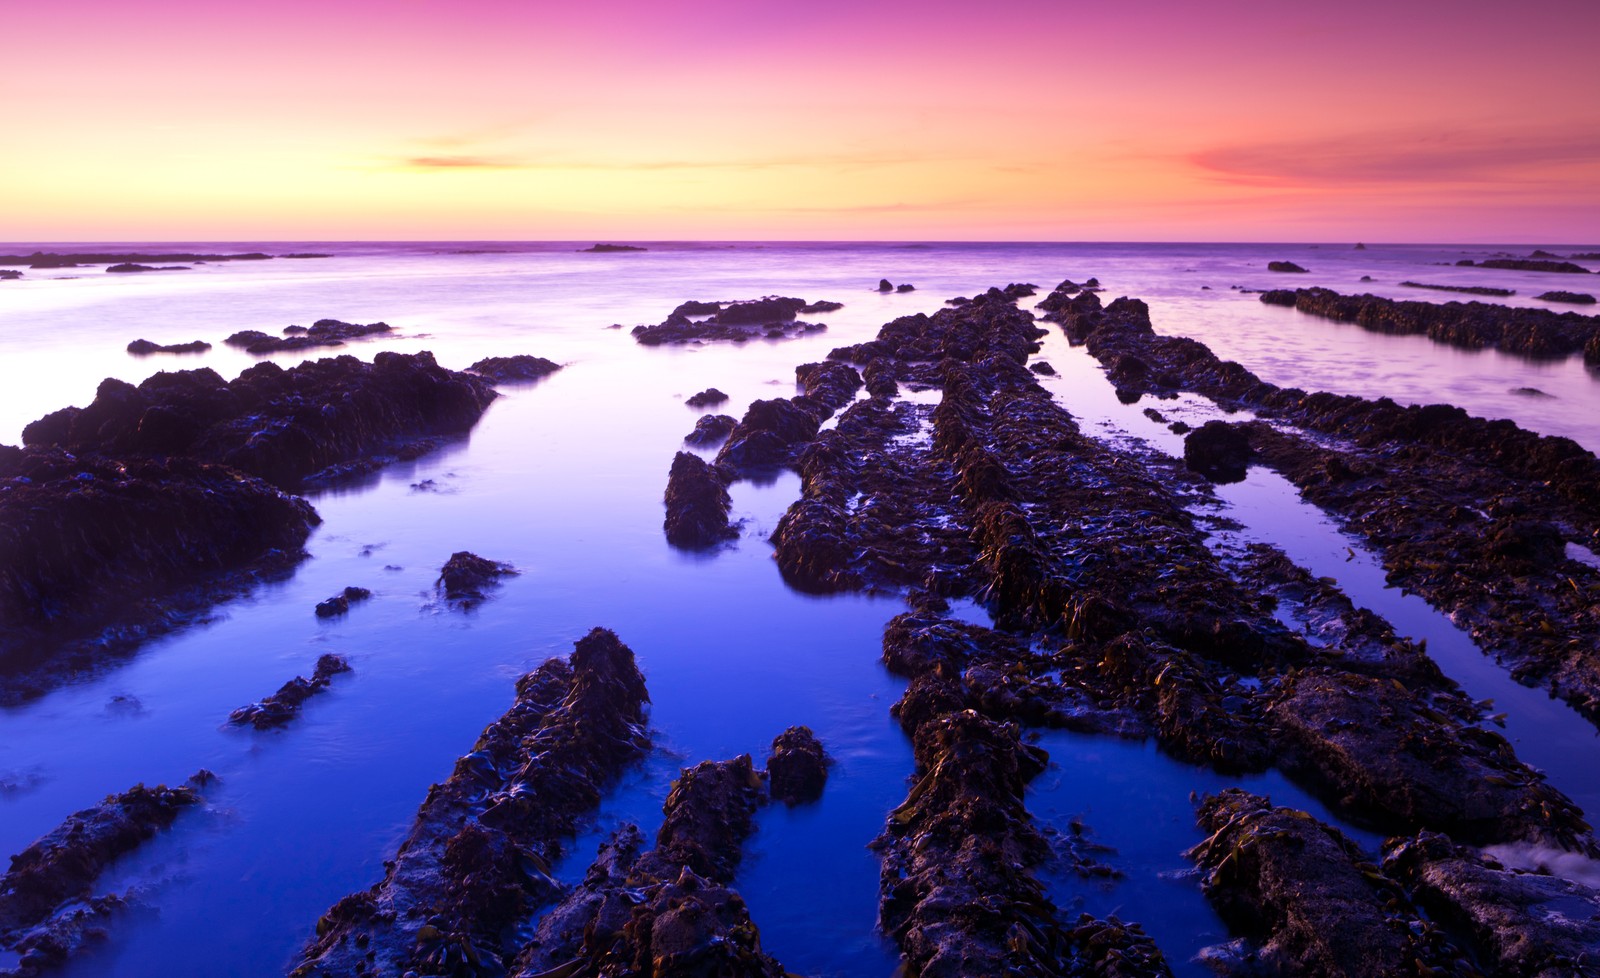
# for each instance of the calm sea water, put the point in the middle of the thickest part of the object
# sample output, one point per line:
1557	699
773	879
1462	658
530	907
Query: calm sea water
564	480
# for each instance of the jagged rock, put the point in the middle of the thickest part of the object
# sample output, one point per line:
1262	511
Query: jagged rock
282	425
477	858
47	910
340	603
466	578
517	369
284	705
697	504
710	430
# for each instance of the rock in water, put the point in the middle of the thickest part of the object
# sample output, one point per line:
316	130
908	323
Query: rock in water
465	578
1219	451
697	503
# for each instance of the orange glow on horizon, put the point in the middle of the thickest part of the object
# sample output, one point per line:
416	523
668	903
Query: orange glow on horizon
1033	121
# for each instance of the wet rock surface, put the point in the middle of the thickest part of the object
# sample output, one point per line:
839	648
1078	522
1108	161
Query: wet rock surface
340	603
513	370
324	332
47	911
669	911
697	504
319	419
1219	451
1469	325
476	860
1309	900
1469	513
284	705
770	317
97	554
1516	923
711	430
467	579
145	347
797	769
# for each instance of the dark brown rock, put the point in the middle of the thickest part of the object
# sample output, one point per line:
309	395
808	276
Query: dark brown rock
1219	451
797	770
697	504
284	705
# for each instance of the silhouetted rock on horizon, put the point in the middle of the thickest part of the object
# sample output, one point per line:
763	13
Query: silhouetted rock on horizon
285	426
133	267
603	248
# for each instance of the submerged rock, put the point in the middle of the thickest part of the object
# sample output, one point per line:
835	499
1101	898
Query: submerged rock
517	369
477	859
466	578
697	504
284	705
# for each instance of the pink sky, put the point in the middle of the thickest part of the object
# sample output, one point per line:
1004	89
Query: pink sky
1405	120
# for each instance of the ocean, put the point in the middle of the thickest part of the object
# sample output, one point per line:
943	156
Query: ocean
564	478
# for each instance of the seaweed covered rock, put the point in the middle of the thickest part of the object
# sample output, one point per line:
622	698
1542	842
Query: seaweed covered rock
284	705
769	434
1308	898
668	912
282	425
697	504
340	603
1219	451
90	543
477	858
771	317
511	370
1523	923
467	578
797	769
47	910
711	430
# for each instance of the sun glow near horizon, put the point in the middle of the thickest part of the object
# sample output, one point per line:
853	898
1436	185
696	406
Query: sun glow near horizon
494	119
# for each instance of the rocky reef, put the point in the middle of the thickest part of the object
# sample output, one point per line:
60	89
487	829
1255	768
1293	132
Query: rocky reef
1469	325
284	705
477	859
770	317
320	419
48	912
98	553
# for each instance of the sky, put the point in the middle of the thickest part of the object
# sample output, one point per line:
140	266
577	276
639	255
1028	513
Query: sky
1133	120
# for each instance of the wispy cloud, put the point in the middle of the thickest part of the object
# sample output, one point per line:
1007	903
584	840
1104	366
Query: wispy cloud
1440	157
460	163
834	161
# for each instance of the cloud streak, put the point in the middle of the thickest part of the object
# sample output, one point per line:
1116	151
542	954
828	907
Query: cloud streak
1377	158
